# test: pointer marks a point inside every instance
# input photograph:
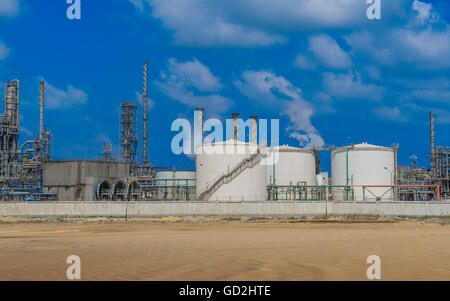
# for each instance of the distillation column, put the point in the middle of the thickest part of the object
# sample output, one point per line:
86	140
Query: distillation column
9	131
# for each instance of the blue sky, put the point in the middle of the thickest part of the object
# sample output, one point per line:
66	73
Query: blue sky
331	75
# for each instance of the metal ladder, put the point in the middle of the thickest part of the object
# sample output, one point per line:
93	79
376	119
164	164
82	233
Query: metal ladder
228	177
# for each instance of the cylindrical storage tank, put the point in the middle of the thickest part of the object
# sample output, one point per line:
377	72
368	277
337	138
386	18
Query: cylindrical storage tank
175	184
218	159
363	164
293	165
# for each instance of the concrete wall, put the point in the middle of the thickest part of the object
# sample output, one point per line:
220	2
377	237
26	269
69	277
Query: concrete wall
71	173
90	209
76	180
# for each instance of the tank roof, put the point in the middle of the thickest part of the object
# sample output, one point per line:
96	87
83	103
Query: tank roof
288	148
363	146
228	142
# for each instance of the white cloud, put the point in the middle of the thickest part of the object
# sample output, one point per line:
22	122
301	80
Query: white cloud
413	157
139	4
203	23
412	112
271	90
374	72
376	48
442	116
9	8
308	140
305	63
60	99
299	112
252	22
266	87
390	113
323	97
328	52
439	83
350	86
424	49
138	96
323	104
432	95
195	74
424	13
192	84
4	50
427	48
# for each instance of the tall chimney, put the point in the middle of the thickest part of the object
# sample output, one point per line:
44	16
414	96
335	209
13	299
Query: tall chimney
199	129
235	126
432	141
145	115
41	112
254	130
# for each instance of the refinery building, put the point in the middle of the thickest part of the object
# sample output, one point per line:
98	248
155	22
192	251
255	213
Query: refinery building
359	172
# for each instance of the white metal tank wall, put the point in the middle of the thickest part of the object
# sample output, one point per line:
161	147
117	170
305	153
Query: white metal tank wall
367	165
218	159
294	165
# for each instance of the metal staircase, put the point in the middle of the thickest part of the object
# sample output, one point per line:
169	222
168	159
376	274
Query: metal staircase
231	175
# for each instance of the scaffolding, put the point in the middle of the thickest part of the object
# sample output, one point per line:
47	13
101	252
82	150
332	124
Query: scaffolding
439	162
128	134
441	171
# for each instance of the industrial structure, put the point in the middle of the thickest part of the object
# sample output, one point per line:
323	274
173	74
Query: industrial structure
237	170
234	170
21	165
438	174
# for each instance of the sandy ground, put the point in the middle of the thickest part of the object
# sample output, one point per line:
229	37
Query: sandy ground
224	250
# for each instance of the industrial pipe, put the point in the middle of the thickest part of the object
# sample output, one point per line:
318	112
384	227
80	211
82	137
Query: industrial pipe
235	126
41	112
254	130
198	130
145	114
432	142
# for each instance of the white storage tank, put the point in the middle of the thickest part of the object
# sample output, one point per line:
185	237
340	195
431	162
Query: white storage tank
363	164
294	165
217	159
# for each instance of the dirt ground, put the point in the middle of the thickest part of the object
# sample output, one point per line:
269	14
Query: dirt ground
231	249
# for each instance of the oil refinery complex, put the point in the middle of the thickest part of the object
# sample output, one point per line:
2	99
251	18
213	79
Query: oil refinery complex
360	172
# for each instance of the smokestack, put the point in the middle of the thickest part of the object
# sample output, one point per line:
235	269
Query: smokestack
41	115
431	133
145	114
432	141
235	126
253	130
199	129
